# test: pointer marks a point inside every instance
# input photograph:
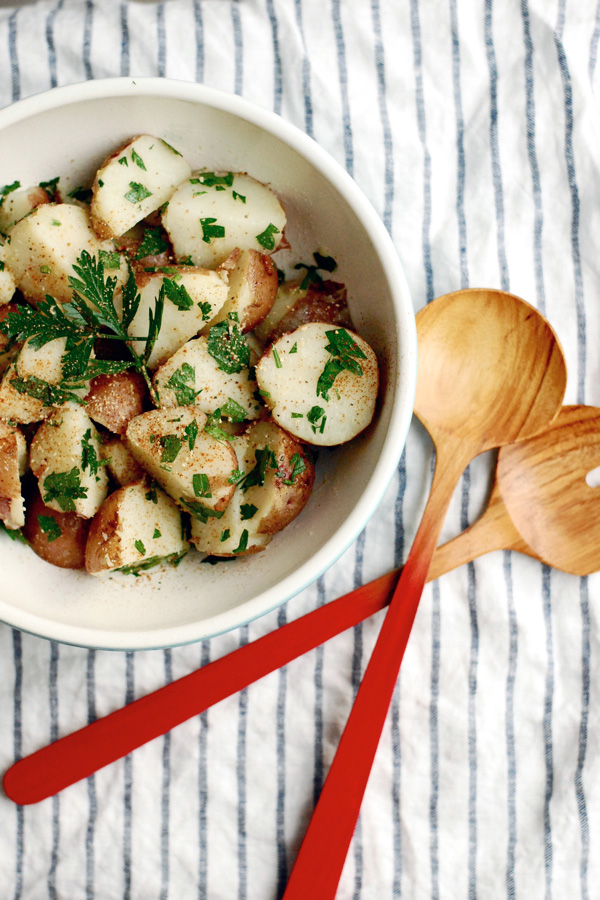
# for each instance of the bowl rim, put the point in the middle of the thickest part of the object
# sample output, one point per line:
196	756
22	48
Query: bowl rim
406	336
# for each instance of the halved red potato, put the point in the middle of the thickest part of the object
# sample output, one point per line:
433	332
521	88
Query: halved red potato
193	376
212	213
113	400
65	458
13	460
45	245
252	288
296	305
320	383
192	298
137	526
193	467
57	537
133	182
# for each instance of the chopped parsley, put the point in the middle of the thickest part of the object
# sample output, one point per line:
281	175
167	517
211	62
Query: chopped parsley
211	179
8	189
84	195
237	196
151	495
248	510
156	534
324	263
49	394
210	230
314	415
190	433
277	358
177	294
153	243
110	259
232	410
137	159
172	149
224	535
51	188
123	161
199	510
243	544
137	192
65	488
139	546
45	270
50	528
201	485
89	459
171	445
182	383
206	310
345	353
266	238
136	568
264	460
227	345
236	476
294	348
298	467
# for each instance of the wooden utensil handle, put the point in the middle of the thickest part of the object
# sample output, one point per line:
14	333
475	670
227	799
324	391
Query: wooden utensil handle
323	851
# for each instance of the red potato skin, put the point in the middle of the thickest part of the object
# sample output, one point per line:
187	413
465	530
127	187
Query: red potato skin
114	400
326	302
102	536
67	551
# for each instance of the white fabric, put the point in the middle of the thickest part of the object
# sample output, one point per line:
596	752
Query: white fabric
473	128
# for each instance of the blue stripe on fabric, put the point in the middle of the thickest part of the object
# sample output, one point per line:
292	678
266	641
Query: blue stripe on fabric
472	688
166	793
460	148
87	40
199	35
128	783
91	782
494	144
434	740
238	47
575	205
15	75
54	733
511	755
533	161
161	37
584	826
388	173
50	43
277	67
242	825
282	864
422	130
343	80
594	43
308	107
125	60
357	665
319	773
17	642
203	789
547	728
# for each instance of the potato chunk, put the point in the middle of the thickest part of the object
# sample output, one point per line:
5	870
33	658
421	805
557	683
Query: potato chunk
133	182
114	400
45	245
8	285
13	460
121	464
252	288
192	297
320	383
26	382
211	214
193	467
65	458
19	203
57	537
296	305
193	376
135	527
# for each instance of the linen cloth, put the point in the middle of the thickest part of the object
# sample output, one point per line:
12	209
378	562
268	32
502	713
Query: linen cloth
472	126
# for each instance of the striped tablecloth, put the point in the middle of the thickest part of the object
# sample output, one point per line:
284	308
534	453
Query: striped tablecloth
472	125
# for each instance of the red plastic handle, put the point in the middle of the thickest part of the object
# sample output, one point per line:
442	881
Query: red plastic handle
78	755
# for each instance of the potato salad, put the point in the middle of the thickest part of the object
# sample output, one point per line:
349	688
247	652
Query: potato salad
164	384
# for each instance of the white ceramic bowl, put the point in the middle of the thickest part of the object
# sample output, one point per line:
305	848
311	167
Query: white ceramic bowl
69	131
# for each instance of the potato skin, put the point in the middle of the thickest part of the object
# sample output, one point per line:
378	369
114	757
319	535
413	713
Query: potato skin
66	551
114	400
103	540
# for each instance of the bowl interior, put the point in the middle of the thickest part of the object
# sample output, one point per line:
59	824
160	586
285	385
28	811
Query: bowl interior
70	138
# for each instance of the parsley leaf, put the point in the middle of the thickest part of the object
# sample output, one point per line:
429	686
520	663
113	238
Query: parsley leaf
211	179
201	485
243	544
182	383
345	354
171	445
137	193
210	230
227	345
324	263
50	528
231	409
137	159
139	546
64	487
200	511
248	510
177	294
153	243
190	433
89	458
51	188
8	189
266	238
298	467
264	460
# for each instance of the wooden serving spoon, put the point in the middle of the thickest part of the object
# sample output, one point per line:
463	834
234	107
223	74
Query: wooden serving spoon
78	755
543	476
491	372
